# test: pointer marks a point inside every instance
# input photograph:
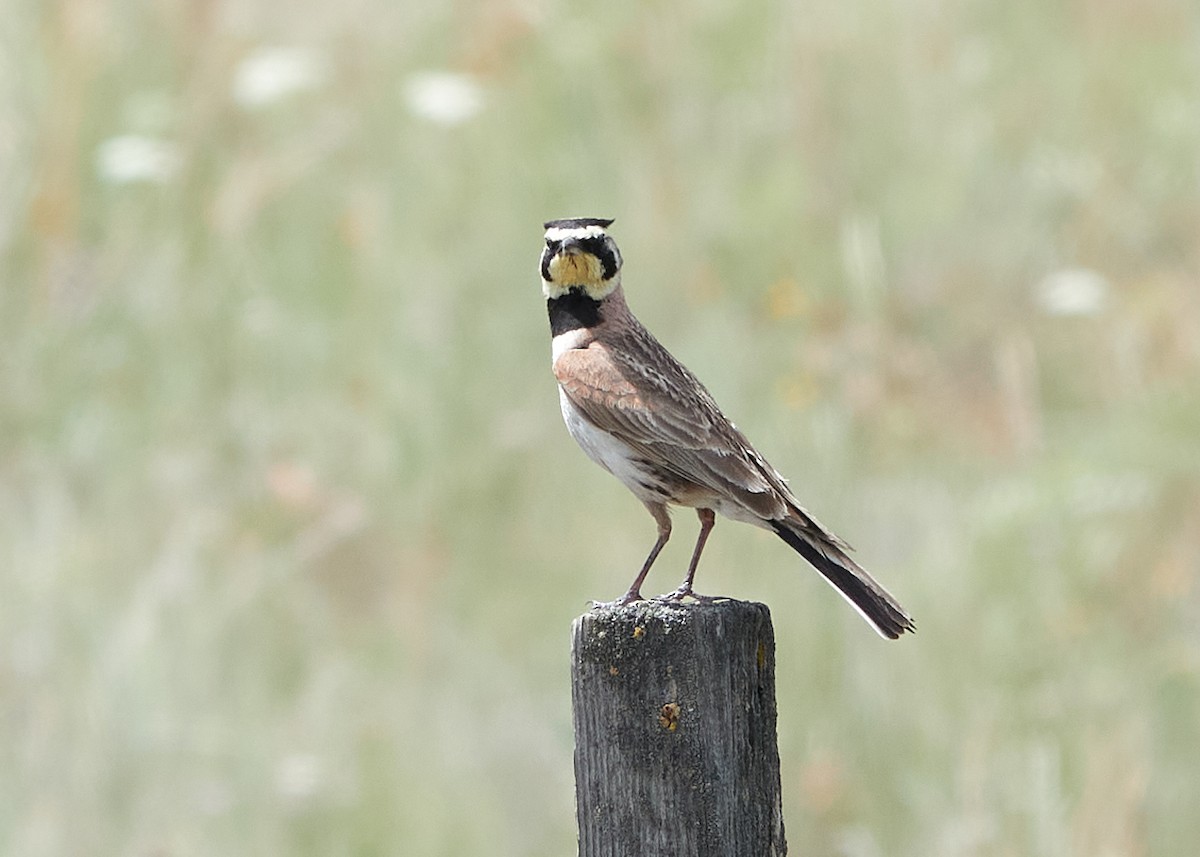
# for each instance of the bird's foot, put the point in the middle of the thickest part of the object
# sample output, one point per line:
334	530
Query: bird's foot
685	592
630	597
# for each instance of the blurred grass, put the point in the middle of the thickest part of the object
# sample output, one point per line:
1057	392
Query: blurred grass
292	534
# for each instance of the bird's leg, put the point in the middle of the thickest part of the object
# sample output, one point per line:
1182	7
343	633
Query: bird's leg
663	519
708	519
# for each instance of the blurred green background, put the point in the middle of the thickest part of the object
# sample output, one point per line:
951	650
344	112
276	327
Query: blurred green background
291	534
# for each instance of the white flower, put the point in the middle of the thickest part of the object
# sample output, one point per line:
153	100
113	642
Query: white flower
270	74
1073	291
443	97
132	158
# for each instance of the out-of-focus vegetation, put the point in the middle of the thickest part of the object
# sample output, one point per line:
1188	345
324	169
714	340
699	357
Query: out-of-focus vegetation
291	535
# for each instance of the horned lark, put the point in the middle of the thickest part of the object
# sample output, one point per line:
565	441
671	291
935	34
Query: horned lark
643	417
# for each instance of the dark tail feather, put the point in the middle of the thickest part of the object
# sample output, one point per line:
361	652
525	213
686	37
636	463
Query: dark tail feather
859	588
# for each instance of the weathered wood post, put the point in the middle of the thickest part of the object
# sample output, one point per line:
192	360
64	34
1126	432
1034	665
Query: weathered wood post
675	747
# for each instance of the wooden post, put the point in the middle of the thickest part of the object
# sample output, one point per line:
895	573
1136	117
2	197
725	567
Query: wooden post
675	748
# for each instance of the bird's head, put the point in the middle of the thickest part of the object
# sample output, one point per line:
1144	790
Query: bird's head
580	256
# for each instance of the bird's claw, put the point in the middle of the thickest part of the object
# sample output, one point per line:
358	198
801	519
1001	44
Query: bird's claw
685	592
625	600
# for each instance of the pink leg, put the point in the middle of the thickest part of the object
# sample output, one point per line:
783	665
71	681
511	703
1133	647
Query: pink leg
659	511
708	520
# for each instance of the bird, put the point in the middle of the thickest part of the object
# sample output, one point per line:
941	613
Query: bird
645	418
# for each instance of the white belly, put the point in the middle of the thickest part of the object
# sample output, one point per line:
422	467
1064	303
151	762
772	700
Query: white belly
615	456
623	462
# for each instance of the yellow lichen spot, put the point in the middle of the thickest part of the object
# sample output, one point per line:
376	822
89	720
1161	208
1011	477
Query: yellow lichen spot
668	716
762	655
613	670
639	632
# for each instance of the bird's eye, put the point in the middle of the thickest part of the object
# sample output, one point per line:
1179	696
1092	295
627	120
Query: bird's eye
551	244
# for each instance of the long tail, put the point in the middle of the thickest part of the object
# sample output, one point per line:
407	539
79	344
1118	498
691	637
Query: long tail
848	577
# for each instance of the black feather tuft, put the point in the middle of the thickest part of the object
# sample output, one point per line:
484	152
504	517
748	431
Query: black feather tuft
577	223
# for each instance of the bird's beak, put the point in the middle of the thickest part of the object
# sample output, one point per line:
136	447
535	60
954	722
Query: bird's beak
571	247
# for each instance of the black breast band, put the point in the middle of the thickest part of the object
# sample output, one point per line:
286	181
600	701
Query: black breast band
572	311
